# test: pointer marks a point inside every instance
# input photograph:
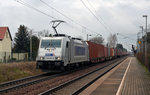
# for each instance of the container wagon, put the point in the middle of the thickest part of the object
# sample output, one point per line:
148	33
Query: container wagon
96	52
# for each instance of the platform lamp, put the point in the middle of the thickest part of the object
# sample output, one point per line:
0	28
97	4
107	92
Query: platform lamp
88	36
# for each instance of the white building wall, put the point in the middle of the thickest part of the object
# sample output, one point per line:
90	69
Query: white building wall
0	45
6	43
5	48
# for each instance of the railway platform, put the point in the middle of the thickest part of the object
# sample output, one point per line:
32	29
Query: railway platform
128	78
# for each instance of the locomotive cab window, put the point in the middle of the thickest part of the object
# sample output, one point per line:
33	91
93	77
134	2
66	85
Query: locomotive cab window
67	44
51	44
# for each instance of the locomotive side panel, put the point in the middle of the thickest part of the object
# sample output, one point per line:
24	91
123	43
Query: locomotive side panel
79	51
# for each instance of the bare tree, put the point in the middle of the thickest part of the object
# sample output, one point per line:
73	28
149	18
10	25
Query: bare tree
98	40
112	40
44	33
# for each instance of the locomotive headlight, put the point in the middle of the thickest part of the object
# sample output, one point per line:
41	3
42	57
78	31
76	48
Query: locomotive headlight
41	58
58	58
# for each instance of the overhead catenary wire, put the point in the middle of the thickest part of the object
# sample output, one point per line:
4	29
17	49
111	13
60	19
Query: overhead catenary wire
67	16
98	15
29	6
52	1
95	16
125	43
91	6
126	36
56	10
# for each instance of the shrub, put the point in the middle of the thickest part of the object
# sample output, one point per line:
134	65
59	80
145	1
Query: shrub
14	71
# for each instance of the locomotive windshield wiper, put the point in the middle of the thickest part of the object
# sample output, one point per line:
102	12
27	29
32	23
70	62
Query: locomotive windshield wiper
50	45
47	45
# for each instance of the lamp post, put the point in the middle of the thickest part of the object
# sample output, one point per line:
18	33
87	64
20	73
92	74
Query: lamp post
31	43
142	37
145	16
146	22
88	36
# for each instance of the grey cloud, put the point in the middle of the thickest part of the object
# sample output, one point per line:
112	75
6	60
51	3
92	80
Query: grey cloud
122	16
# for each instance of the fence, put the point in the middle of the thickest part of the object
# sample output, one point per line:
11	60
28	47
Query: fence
144	57
6	57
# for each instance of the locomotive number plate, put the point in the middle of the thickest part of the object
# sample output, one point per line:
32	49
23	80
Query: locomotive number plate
49	54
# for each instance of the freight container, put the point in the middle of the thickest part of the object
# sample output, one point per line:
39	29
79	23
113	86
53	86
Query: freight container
106	52
111	52
115	52
119	52
96	52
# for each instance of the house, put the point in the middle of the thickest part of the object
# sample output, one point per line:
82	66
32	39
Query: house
5	44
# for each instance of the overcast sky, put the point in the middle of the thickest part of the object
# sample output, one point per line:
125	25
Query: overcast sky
115	16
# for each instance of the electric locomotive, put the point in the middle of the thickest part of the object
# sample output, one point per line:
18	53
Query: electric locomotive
60	51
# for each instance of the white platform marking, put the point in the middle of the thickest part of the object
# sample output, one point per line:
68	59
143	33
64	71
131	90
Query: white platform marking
121	84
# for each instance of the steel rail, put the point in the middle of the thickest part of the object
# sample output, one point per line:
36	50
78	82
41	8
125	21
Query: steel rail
28	83
50	91
21	85
88	84
9	83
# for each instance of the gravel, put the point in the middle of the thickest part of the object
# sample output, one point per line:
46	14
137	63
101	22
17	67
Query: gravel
43	86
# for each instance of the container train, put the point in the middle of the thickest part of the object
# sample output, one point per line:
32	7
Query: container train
62	51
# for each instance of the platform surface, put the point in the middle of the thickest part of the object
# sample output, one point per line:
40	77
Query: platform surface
128	78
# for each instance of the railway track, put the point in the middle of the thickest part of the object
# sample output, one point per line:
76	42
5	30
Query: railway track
24	82
58	89
17	84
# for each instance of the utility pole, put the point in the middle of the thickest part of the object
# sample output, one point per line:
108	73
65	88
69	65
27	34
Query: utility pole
31	33
138	45
145	36
88	36
142	39
30	44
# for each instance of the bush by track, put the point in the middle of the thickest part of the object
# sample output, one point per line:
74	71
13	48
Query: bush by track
13	71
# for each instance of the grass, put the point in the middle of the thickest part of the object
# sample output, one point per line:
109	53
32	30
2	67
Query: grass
145	68
19	70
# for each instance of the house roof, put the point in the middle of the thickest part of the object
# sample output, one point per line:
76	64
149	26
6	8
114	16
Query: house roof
3	32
